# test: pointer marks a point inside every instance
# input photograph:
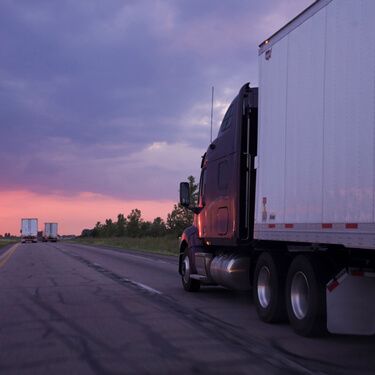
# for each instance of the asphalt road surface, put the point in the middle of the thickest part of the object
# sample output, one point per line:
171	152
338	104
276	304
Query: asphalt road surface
74	309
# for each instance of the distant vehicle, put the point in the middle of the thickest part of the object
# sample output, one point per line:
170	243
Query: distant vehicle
29	230
50	232
40	235
286	198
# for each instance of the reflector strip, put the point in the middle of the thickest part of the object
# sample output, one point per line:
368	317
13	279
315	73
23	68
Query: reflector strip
357	273
361	272
332	285
336	281
351	226
327	226
318	227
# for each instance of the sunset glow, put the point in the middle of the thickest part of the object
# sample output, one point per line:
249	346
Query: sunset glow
72	213
106	107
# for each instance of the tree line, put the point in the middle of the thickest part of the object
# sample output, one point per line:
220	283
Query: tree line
133	225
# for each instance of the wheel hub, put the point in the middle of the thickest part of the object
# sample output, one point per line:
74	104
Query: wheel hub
299	295
264	287
186	269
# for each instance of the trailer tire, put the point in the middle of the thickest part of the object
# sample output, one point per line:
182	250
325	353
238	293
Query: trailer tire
189	284
305	296
268	288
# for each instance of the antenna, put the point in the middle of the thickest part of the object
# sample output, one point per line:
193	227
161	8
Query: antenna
212	109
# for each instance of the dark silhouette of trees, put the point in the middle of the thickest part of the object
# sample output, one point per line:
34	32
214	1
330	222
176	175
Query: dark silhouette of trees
133	225
86	233
180	217
109	228
158	227
120	225
134	221
98	229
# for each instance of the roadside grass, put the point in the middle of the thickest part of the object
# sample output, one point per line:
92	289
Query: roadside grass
167	245
3	243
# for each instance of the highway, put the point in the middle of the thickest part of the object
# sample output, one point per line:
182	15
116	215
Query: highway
75	309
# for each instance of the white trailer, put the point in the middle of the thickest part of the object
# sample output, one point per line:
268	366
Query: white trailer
287	189
316	145
50	232
316	159
29	230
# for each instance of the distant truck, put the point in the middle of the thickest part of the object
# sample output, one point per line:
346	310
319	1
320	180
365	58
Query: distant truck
29	230
50	232
286	194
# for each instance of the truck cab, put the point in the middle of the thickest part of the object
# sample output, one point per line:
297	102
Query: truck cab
213	250
227	181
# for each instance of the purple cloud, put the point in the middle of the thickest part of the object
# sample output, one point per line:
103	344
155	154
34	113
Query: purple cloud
114	97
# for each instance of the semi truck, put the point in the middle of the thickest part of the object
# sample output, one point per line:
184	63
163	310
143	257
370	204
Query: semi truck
50	232
286	203
29	230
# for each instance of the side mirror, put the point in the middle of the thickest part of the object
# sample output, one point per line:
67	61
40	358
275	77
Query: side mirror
184	194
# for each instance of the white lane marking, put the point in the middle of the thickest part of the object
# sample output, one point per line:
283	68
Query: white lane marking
132	282
7	254
143	286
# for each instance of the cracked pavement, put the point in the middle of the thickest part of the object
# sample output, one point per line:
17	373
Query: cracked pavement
68	308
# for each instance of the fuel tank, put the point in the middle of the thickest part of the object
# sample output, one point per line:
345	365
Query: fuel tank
231	271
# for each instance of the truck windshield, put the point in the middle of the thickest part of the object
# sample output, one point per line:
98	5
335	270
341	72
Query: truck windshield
225	124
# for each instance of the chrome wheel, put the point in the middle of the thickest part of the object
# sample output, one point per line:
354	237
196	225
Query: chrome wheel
186	269
264	287
299	296
189	284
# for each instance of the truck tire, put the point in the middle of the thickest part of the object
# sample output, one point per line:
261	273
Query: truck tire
305	296
190	285
268	288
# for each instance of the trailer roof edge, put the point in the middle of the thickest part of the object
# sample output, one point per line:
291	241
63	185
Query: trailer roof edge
293	24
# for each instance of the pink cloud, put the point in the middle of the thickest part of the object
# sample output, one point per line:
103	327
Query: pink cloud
72	213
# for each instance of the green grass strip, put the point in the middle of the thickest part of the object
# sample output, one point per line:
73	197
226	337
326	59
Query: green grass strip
167	245
4	243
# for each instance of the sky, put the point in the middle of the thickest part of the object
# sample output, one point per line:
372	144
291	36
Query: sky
105	105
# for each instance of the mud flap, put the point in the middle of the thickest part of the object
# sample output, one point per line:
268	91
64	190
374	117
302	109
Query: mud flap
351	303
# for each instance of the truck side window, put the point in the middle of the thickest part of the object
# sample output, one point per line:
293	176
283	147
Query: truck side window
202	188
225	124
